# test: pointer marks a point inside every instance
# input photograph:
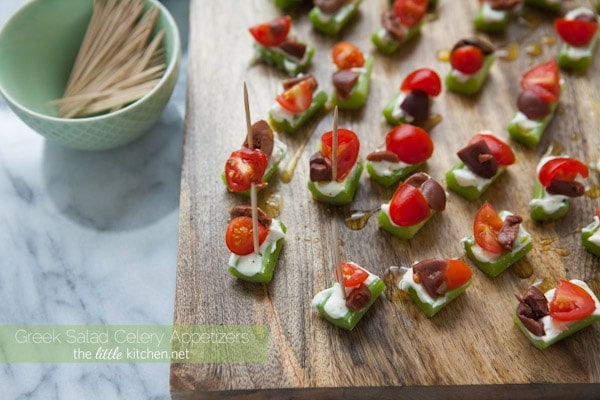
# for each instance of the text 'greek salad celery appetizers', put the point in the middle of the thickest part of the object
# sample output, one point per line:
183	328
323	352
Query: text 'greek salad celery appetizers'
274	46
481	162
296	104
540	93
330	16
338	190
254	165
590	235
245	263
362	289
399	24
434	283
412	103
498	240
407	148
494	15
557	181
414	202
471	60
579	33
352	77
546	318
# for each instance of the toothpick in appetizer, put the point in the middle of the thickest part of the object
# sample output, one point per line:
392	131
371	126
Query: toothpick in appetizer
336	167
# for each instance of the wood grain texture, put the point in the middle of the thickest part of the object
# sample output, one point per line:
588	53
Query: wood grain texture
470	349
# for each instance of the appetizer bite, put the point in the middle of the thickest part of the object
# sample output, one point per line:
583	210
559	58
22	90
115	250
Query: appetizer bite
256	164
544	5
579	33
546	318
296	104
493	15
247	262
407	148
352	77
481	162
414	202
499	240
330	16
434	283
540	93
590	235
336	167
399	25
344	304
471	60
556	182
412	103
274	46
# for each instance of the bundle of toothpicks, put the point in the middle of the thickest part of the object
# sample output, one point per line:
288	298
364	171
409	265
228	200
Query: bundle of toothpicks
119	60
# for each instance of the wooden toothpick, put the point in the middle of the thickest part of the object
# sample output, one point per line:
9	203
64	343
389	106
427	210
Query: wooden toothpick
334	145
253	200
337	258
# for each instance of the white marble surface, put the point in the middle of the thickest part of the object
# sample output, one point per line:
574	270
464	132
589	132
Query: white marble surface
89	238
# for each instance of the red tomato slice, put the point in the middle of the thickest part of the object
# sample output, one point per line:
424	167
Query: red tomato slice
501	151
576	32
408	206
238	237
598	212
571	302
457	274
353	274
346	55
410	143
348	148
563	169
410	12
486	227
272	33
543	80
299	97
424	79
467	59
244	167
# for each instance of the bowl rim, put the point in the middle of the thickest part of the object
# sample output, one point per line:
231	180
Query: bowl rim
172	64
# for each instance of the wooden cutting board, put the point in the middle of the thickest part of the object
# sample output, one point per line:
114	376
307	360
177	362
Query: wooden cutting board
470	349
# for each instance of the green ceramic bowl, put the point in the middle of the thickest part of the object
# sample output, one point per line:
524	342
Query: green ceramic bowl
38	46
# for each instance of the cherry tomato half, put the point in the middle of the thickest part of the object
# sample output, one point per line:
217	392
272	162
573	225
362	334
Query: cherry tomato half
238	236
410	143
299	97
423	79
408	206
467	59
348	148
244	167
410	12
575	32
353	274
486	227
543	80
272	33
501	151
563	169
457	274
346	55
571	302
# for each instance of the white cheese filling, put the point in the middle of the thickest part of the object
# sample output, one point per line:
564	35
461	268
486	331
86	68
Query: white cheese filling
398	112
387	168
408	281
595	238
525	123
491	15
338	16
550	203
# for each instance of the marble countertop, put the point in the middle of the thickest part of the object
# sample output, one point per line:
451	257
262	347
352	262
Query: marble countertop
90	238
